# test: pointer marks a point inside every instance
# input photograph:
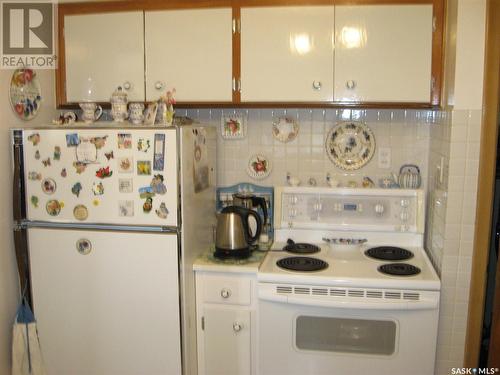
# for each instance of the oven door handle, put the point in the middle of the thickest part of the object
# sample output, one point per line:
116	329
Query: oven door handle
359	304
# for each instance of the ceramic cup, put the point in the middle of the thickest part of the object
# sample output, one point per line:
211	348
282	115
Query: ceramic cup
136	113
91	112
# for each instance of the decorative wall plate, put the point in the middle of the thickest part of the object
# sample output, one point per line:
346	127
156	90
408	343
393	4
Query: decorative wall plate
259	167
233	127
25	93
350	145
285	129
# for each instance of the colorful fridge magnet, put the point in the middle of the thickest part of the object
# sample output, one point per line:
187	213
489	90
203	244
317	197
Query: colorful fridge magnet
98	188
46	162
37	155
159	152
125	164
96	202
162	211
34	138
124	140
259	167
64	173
49	186
57	153
233	127
25	93
53	207
143	167
76	189
79	166
80	212
34	201
99	142
72	140
109	155
125	185
147	206
34	176
126	208
146	192
157	184
143	145
103	173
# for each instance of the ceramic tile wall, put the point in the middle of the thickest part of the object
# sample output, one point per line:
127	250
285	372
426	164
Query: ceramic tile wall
405	133
451	225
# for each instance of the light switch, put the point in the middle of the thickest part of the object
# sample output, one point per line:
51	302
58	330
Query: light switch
384	157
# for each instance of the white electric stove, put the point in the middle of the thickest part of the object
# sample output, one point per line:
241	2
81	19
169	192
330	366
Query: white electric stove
340	309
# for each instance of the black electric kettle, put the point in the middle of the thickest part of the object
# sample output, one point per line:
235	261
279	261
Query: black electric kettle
233	234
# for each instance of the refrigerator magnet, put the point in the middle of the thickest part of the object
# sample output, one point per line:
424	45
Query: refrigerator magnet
34	138
80	212
124	140
34	176
37	155
64	172
79	166
125	164
109	155
126	208
98	188
57	153
34	201
77	187
125	185
143	145
157	184
86	152
99	142
146	192
49	186
83	246
53	207
162	211
46	162
104	172
147	206
72	140
159	152
143	167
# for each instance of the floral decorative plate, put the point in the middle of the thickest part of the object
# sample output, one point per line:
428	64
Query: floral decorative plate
350	145
285	129
233	127
259	167
25	93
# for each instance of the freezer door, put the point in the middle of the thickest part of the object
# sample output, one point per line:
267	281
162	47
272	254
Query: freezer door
102	176
106	303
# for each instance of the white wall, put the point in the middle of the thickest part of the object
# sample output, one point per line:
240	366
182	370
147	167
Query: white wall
8	268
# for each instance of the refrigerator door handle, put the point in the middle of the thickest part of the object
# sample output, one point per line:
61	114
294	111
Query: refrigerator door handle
18	188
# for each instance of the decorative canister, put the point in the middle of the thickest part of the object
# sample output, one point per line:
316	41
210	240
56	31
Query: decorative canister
409	176
119	105
136	113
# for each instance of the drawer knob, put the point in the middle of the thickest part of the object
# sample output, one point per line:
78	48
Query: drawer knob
350	84
316	85
225	293
237	327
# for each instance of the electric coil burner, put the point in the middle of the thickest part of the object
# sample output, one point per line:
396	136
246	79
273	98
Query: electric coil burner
304	264
399	269
389	253
300	248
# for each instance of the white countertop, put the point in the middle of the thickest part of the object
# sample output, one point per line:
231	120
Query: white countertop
208	263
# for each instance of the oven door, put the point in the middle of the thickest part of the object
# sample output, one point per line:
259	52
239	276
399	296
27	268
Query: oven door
307	334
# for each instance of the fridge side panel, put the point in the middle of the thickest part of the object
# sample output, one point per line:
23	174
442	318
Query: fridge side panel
102	176
106	303
198	173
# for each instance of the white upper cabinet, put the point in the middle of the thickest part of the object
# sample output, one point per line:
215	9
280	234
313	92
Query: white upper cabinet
191	51
287	54
383	53
104	51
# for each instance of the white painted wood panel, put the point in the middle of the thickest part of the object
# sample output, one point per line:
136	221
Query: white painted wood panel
284	50
104	51
383	53
191	51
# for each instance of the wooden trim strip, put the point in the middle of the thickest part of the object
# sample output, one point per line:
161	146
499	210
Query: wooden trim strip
485	184
237	51
437	67
60	73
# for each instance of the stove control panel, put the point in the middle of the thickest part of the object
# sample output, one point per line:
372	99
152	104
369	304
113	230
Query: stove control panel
351	209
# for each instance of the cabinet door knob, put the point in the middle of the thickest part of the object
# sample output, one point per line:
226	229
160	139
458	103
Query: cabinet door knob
316	85
159	85
225	293
350	84
127	86
237	327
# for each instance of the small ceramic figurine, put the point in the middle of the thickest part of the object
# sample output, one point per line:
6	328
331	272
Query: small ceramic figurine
292	180
368	182
332	182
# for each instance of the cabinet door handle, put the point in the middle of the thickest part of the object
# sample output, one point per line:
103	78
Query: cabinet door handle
237	327
350	84
159	85
127	85
316	85
225	293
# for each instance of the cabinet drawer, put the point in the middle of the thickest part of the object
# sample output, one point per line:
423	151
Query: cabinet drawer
226	289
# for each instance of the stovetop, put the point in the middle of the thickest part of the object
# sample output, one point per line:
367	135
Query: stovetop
352	268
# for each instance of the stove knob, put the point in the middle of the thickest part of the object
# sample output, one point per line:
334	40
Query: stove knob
405	202
379	208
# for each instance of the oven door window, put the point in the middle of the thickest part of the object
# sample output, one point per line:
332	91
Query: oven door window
345	335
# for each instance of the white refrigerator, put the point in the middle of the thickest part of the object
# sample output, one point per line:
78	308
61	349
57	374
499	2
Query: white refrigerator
109	221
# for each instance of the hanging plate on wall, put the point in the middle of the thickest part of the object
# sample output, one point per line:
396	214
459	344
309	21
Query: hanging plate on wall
350	145
25	93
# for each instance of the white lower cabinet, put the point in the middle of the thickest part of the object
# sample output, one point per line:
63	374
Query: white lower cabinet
226	315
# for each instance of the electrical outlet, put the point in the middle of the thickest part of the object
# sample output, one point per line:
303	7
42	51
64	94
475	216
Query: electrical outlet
384	157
